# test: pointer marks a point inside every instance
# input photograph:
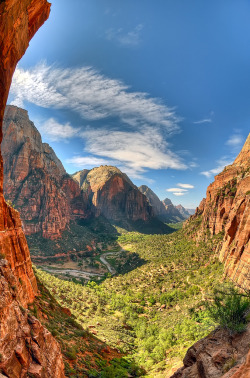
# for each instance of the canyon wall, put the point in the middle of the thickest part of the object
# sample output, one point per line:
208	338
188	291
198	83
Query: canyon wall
26	348
113	195
226	210
35	180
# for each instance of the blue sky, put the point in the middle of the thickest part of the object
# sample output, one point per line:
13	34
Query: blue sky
160	89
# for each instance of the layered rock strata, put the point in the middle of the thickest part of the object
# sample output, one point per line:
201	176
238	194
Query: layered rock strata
226	210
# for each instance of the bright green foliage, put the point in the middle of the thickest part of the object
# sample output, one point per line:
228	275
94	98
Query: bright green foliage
155	310
229	309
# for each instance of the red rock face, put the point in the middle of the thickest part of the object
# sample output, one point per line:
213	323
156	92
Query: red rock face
113	195
35	180
26	347
226	209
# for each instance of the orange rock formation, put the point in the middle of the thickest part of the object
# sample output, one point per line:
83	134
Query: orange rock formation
26	348
226	209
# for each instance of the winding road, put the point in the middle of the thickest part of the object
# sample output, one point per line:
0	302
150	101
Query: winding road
84	274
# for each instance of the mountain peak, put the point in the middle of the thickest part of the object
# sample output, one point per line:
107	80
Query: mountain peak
99	176
243	159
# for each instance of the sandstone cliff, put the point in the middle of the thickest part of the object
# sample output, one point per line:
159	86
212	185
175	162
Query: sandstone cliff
35	180
226	210
26	348
113	195
164	210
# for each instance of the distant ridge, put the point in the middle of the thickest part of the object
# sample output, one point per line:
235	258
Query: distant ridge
164	210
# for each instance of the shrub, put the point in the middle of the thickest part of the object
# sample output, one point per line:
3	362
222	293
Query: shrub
229	309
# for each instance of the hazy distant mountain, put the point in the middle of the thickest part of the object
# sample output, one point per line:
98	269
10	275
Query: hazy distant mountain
184	212
164	210
173	213
191	211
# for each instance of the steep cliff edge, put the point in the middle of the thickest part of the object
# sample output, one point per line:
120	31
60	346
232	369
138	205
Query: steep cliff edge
226	210
35	179
26	348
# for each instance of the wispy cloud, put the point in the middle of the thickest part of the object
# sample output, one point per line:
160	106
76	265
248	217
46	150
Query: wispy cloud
147	122
125	38
221	164
205	120
176	190
87	161
136	151
56	131
186	186
181	190
90	94
235	141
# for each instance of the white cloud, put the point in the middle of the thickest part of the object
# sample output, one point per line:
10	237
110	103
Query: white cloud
179	193
129	38
136	151
90	94
221	164
56	131
179	190
186	186
83	161
147	122
201	121
235	140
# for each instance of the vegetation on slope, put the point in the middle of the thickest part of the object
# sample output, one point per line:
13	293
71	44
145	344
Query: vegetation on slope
84	354
154	312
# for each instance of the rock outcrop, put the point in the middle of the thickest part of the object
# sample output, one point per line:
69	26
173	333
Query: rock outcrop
217	355
164	210
35	180
226	210
113	195
26	348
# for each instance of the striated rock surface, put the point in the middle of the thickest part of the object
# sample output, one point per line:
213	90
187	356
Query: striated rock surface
113	194
217	355
164	210
226	210
35	180
26	348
